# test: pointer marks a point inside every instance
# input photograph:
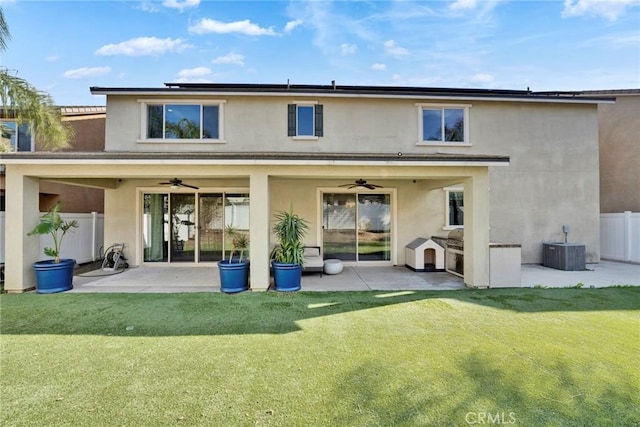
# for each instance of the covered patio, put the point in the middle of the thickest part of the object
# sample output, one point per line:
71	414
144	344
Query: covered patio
175	279
412	184
161	279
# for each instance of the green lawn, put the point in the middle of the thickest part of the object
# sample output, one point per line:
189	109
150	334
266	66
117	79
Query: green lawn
526	357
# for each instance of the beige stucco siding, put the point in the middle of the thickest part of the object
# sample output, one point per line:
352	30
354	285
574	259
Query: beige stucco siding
552	180
260	124
620	154
420	205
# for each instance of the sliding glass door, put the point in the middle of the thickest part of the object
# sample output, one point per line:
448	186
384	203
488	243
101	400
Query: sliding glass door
191	227
236	216
374	227
183	227
155	228
339	238
356	227
211	227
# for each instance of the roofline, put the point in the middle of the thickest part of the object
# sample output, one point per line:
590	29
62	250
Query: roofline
612	92
394	92
265	158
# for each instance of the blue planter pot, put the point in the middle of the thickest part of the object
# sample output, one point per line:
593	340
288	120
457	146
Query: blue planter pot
234	276
52	277
286	277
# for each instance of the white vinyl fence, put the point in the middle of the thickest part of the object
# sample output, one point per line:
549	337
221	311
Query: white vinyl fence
82	244
620	236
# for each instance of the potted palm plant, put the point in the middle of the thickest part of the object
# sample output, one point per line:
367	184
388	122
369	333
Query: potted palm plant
288	256
234	273
54	275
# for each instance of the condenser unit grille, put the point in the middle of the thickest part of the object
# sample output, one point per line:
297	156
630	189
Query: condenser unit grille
564	256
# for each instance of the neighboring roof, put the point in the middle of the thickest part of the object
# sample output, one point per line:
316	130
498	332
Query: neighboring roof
82	110
254	158
334	90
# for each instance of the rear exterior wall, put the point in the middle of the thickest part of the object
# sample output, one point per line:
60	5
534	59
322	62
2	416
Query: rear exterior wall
552	180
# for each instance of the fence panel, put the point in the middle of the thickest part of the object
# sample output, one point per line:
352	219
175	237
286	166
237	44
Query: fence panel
82	244
2	221
634	237
620	236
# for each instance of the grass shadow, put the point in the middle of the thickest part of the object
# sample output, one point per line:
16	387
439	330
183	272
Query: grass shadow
517	393
263	313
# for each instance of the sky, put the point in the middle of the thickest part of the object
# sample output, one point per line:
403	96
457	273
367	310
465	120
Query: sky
65	47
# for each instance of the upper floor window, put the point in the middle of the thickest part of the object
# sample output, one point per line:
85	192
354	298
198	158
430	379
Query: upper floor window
305	120
16	137
443	124
183	121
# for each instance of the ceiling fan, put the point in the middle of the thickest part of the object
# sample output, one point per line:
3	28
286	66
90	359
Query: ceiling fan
361	183
177	183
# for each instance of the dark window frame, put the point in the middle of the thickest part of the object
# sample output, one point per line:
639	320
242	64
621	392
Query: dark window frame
292	120
209	125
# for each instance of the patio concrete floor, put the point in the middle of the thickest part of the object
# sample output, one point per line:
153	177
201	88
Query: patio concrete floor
174	279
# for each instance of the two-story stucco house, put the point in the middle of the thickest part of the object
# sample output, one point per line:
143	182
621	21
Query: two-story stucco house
508	166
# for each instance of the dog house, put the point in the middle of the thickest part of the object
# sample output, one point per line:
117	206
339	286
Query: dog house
424	255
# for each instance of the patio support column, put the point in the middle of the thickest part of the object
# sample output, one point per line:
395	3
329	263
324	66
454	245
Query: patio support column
476	229
22	214
259	230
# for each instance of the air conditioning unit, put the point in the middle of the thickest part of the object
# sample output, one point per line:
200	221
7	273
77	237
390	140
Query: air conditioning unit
564	256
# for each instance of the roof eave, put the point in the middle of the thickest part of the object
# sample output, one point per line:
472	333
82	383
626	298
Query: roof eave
453	95
268	158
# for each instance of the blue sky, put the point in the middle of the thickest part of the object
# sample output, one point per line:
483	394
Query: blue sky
64	47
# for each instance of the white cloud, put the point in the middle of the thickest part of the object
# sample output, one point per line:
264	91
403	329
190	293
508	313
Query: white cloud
615	40
194	75
291	25
192	80
191	73
611	9
230	58
330	27
482	78
143	46
206	26
51	58
147	6
348	49
463	4
379	66
81	73
180	4
479	9
392	49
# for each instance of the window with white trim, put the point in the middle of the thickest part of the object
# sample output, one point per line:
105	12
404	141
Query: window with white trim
178	121
16	137
454	207
305	120
443	124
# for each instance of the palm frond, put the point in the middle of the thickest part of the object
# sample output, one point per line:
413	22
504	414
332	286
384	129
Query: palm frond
24	103
5	35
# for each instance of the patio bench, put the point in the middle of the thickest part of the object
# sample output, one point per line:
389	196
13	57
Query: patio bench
313	261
